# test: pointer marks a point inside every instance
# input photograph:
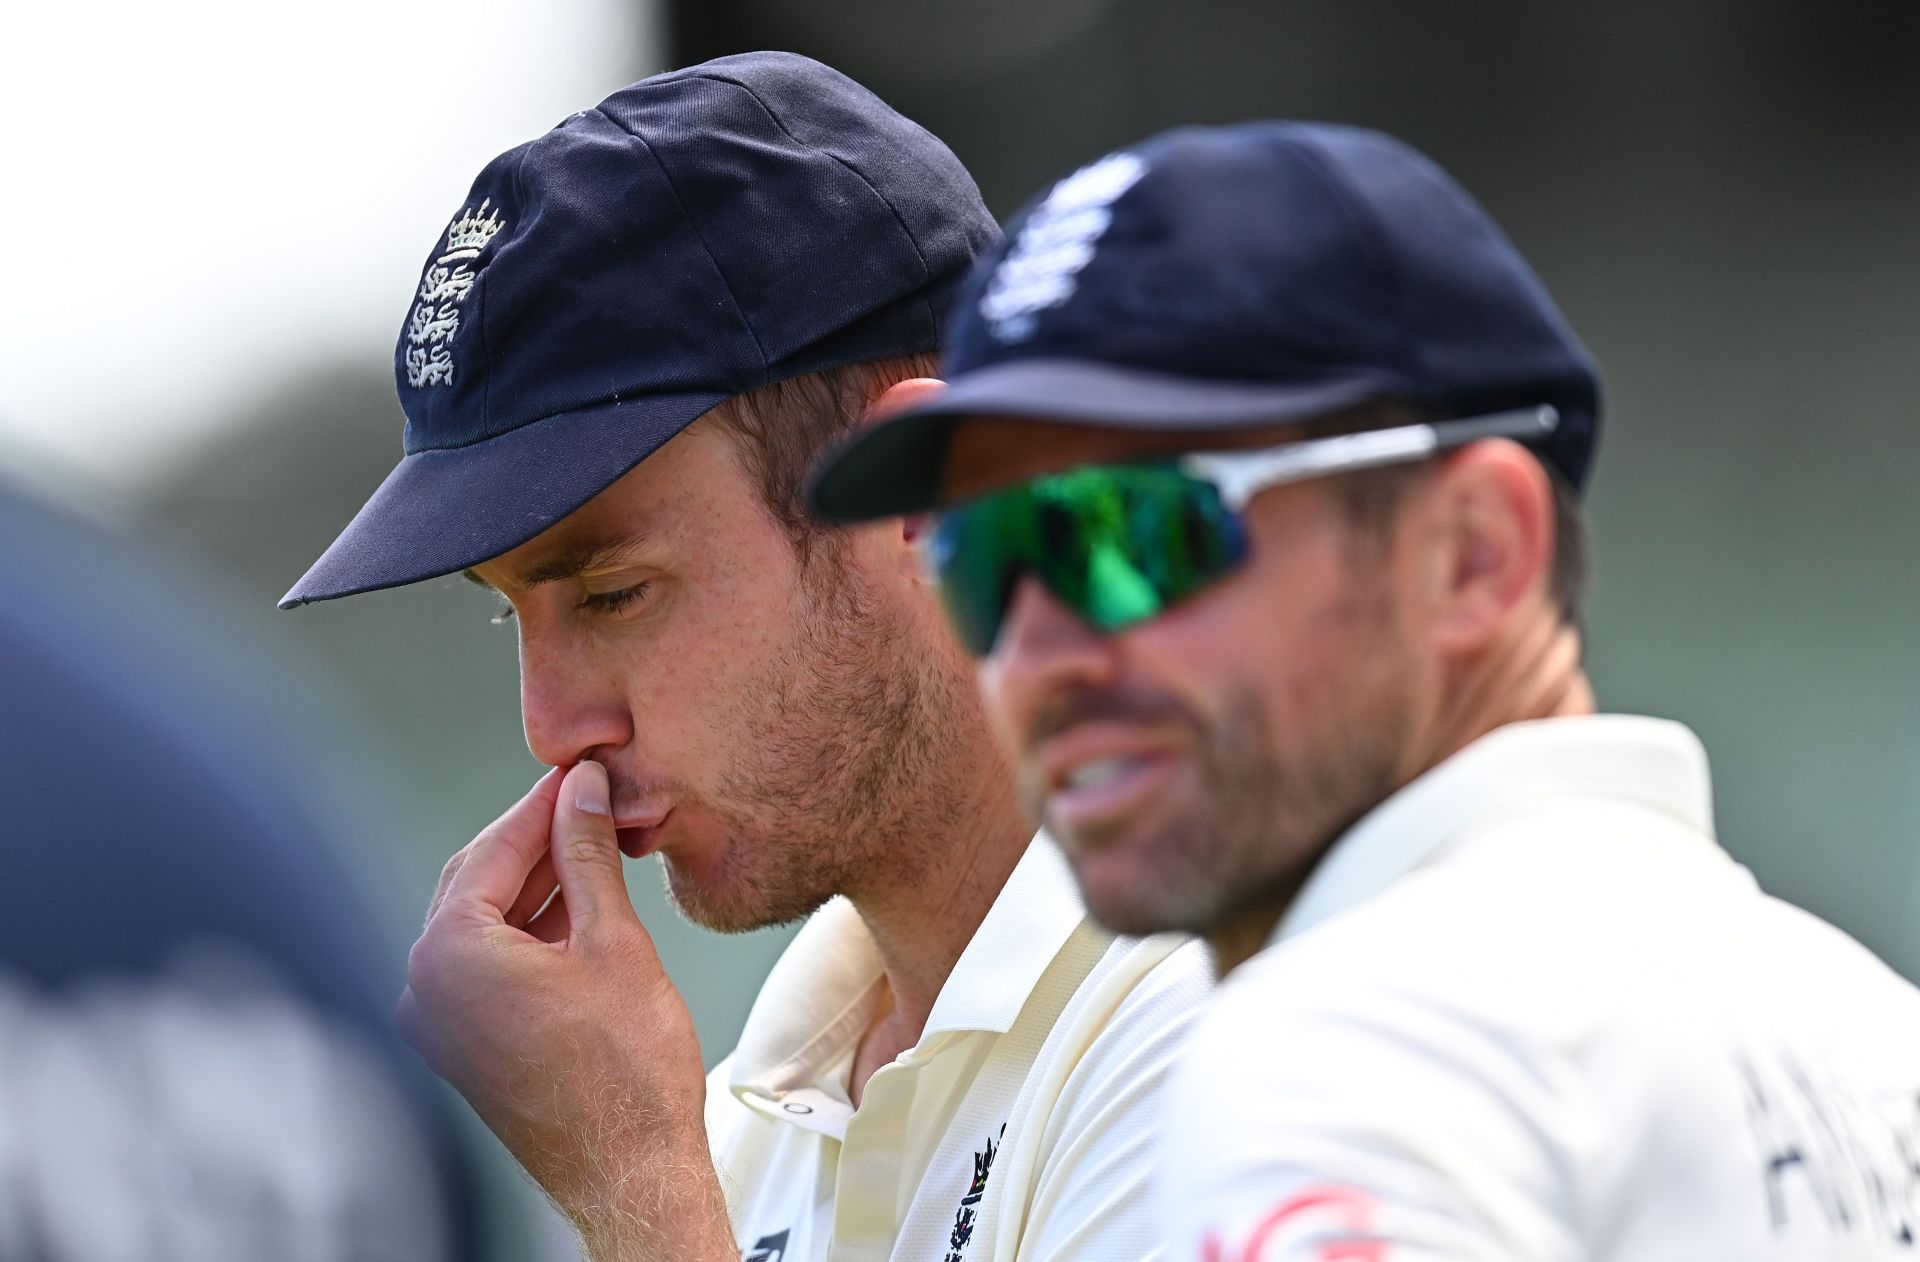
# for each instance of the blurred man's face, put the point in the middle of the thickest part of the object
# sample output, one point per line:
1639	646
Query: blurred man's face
773	730
1195	766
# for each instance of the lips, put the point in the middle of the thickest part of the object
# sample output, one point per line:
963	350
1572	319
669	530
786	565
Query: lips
640	833
1099	775
1103	798
1092	753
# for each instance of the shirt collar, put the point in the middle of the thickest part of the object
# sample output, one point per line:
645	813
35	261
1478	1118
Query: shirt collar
1651	763
817	1000
823	992
1037	911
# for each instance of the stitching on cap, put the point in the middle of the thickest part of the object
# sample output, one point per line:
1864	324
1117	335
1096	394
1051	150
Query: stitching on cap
926	270
766	367
486	345
1369	229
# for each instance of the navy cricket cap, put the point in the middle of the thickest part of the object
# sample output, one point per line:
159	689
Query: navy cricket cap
1232	277
693	237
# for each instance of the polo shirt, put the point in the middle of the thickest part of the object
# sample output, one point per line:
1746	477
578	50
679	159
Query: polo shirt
1529	1009
1021	1125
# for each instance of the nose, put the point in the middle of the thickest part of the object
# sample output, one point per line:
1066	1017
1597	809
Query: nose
568	707
1043	649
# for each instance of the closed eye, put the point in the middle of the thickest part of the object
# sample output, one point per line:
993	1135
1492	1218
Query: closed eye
616	601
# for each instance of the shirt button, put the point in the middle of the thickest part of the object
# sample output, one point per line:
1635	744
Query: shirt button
794	1106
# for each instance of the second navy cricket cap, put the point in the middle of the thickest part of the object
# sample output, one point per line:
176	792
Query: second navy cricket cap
693	237
1221	278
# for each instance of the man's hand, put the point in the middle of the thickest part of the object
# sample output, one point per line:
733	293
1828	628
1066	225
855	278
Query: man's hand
536	991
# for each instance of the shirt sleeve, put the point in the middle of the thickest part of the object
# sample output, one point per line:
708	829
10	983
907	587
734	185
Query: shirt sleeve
1092	1199
1352	1121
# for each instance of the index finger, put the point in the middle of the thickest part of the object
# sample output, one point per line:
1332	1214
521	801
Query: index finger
505	853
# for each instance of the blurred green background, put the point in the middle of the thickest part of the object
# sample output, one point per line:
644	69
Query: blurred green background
1722	197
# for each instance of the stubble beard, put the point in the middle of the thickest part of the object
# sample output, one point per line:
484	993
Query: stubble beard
846	745
1265	813
1273	817
1258	823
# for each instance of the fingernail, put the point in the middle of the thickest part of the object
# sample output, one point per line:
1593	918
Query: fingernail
590	789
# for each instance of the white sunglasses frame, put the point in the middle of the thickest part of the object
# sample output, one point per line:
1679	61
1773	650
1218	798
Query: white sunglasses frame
1241	475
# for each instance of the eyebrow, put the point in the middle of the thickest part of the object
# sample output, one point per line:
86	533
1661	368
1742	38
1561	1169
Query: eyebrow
584	557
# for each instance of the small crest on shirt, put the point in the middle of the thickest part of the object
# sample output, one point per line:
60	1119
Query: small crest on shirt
771	1248
963	1218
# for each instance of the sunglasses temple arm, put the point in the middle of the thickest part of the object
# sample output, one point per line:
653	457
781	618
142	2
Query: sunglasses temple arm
1533	424
1241	476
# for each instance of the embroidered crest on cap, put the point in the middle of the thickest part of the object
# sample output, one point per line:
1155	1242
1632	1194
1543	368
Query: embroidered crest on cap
444	287
1057	241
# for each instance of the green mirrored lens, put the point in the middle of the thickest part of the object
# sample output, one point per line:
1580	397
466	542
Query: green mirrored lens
976	550
1116	544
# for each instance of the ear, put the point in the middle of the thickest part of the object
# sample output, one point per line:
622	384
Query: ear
1492	517
900	396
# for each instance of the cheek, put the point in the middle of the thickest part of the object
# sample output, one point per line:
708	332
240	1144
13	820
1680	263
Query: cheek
697	676
1004	703
703	676
1295	629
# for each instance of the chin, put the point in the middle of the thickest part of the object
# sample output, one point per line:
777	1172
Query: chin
1129	897
729	901
1132	918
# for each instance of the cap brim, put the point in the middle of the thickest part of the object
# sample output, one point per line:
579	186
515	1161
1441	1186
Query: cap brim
899	465
441	511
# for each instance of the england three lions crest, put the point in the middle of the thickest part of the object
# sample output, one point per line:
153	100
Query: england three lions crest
1042	267
444	287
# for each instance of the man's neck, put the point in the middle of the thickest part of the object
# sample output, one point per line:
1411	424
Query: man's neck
1537	675
921	926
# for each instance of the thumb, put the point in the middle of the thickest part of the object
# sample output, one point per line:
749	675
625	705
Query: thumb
586	853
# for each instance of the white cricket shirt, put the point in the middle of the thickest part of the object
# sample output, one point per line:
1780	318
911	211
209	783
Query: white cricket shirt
1529	1009
1023	1125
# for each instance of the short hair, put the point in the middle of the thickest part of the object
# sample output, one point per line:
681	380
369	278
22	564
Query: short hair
1572	551
784	428
1372	499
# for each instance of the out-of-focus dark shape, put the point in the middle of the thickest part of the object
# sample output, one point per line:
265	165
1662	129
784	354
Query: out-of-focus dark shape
194	1056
